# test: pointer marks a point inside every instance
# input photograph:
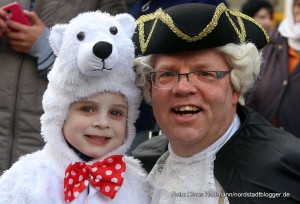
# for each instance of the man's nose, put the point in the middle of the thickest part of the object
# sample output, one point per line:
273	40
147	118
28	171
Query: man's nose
184	84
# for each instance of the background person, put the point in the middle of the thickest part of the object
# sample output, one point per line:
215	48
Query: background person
261	11
277	94
196	79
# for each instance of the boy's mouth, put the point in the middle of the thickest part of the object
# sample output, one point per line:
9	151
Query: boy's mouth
98	139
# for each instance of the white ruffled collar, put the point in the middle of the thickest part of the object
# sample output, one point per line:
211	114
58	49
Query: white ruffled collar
174	175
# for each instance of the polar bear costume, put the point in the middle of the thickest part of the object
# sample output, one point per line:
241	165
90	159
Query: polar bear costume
94	54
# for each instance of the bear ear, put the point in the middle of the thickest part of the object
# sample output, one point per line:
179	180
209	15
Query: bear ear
55	37
127	22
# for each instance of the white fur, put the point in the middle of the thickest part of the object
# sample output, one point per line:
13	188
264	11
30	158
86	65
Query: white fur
71	79
33	181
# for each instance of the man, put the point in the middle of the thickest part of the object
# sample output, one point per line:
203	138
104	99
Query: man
198	63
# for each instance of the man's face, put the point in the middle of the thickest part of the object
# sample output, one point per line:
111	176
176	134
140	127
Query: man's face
194	115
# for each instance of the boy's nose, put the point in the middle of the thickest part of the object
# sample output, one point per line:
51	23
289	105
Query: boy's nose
101	122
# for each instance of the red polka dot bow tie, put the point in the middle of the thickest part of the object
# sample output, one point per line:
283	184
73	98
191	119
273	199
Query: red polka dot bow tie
106	176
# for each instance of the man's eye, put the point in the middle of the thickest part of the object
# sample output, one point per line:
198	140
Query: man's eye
167	74
206	74
87	109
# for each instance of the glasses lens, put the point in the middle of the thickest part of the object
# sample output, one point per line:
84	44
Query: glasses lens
163	79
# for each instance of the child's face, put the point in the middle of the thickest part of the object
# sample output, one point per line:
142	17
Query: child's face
97	125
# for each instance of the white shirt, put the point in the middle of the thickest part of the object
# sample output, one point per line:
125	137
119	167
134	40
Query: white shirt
178	180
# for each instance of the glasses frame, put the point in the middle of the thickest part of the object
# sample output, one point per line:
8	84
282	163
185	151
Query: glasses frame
219	75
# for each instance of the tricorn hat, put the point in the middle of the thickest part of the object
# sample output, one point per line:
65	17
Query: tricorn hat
195	26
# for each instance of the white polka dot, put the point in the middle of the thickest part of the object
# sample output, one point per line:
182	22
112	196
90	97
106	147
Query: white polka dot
122	174
118	166
76	194
94	169
117	188
80	178
77	185
99	177
108	172
69	193
107	188
70	181
97	180
114	180
73	173
110	160
103	166
123	159
86	182
84	169
65	189
67	175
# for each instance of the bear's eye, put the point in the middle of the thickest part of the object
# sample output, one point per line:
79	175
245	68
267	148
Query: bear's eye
113	30
80	36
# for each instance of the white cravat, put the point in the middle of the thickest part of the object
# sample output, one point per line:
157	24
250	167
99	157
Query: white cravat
179	180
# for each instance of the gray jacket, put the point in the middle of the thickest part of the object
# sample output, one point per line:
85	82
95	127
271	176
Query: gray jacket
21	88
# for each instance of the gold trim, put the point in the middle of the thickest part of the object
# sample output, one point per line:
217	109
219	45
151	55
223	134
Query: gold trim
256	23
166	19
242	32
222	198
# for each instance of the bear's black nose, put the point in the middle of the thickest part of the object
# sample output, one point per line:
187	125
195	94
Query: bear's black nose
102	49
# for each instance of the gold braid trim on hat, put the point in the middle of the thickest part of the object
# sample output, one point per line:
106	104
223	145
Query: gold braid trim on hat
253	21
166	19
159	14
241	33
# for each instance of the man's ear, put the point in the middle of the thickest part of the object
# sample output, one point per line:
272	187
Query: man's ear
236	96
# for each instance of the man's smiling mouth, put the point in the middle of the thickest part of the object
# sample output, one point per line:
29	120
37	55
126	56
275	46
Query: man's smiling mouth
186	110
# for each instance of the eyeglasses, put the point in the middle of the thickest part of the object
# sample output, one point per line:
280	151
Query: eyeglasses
169	80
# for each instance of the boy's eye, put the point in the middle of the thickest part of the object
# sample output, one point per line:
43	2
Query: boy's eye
87	109
116	113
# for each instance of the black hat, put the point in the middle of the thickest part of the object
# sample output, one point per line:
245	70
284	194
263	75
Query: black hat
195	26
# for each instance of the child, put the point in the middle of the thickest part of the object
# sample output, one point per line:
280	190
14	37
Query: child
90	105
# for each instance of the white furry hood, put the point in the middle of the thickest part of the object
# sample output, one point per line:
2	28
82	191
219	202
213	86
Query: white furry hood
94	54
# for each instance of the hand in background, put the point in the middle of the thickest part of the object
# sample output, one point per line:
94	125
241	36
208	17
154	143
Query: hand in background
23	37
3	24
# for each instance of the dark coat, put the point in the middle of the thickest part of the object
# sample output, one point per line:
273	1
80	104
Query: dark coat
257	159
278	93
